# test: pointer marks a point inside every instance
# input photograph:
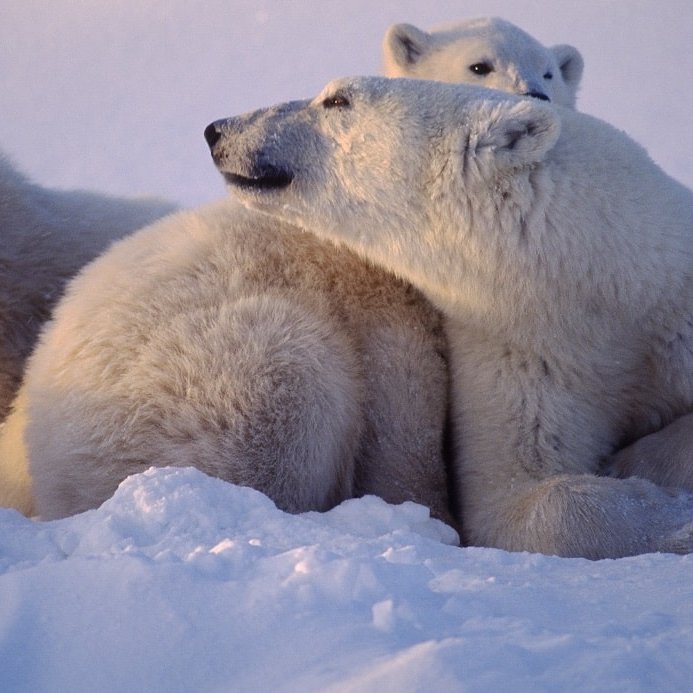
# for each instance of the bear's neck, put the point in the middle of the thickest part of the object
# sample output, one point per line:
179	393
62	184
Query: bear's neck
514	265
541	315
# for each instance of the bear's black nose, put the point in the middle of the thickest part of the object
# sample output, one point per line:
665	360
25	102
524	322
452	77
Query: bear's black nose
537	95
212	134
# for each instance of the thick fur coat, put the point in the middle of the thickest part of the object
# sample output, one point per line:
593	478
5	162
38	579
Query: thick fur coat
247	348
46	236
374	371
561	256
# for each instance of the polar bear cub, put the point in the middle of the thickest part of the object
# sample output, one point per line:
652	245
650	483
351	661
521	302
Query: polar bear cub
46	236
560	255
487	52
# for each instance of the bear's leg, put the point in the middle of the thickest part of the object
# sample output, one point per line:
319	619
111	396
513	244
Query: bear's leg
262	392
402	457
584	516
664	457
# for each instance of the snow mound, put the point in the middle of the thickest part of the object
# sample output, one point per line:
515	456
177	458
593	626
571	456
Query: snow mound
182	582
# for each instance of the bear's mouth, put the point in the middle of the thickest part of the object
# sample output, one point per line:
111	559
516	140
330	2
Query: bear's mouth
269	179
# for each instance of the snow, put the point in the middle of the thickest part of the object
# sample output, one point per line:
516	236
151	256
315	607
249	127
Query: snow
185	583
182	582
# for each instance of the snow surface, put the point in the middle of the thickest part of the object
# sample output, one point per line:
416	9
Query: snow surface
185	583
182	582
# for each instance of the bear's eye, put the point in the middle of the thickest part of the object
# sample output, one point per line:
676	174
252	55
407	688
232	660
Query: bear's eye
337	100
481	69
548	75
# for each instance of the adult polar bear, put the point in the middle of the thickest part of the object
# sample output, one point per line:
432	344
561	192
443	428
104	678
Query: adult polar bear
404	433
561	256
488	52
493	53
46	236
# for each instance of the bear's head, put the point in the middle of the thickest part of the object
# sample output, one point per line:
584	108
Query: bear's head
486	52
400	169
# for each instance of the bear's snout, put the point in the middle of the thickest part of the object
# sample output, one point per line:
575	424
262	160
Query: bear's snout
253	169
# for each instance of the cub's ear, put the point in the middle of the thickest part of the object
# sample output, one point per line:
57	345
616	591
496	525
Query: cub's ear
513	132
403	47
570	63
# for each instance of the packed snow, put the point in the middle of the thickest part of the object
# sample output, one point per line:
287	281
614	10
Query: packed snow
181	582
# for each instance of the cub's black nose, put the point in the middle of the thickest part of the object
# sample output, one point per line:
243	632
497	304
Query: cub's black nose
537	95
212	134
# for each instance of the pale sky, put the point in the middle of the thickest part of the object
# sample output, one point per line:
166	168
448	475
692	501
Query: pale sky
115	96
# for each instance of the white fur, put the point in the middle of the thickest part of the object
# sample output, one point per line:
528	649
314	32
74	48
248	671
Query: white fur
247	348
486	52
75	227
561	256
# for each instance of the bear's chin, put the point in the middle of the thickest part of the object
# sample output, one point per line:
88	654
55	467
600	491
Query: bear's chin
274	180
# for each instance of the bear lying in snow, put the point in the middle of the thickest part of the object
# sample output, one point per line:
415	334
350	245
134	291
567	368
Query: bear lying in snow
560	255
225	340
46	236
407	445
487	52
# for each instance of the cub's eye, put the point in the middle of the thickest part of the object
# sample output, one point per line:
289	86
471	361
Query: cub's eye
336	101
481	69
548	75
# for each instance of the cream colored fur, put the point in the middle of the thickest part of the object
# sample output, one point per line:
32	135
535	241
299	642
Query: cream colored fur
75	227
561	256
247	348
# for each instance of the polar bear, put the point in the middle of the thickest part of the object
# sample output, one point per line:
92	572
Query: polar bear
560	255
516	58
222	339
45	237
487	52
494	53
80	229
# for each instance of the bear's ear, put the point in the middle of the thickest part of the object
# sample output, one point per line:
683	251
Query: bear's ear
514	133
570	63
403	47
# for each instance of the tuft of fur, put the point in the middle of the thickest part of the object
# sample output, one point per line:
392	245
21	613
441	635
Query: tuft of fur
560	255
487	52
247	348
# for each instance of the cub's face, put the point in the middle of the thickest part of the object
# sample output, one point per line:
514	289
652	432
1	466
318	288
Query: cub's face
489	52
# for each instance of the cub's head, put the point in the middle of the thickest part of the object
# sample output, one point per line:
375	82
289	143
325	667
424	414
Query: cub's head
487	52
390	166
